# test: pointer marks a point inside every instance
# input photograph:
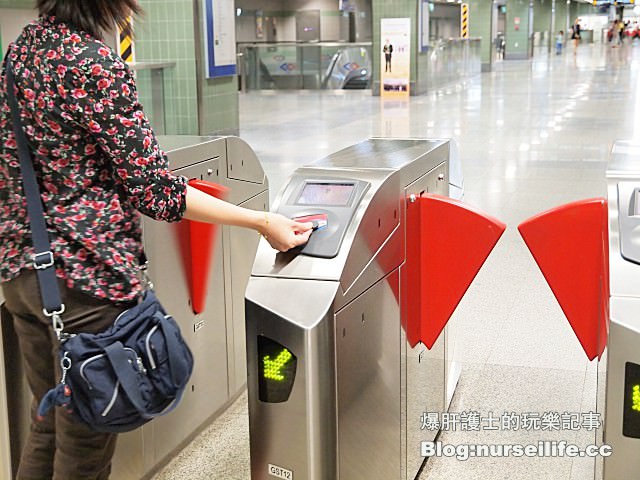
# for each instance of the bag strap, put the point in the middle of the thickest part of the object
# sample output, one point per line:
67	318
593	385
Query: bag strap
43	258
130	384
173	347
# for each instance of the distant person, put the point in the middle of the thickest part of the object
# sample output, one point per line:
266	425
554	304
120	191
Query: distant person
500	46
387	50
612	30
575	35
616	32
559	42
620	31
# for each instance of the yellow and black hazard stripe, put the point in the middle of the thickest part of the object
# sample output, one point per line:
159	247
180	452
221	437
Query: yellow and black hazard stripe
464	21
126	41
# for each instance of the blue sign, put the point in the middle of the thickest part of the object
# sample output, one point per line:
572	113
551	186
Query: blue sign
220	44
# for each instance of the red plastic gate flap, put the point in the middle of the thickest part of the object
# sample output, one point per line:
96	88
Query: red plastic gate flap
447	243
570	244
197	241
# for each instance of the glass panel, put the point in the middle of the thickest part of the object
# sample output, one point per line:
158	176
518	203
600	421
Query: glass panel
337	66
282	66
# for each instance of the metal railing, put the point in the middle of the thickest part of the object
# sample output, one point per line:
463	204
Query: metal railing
315	66
309	66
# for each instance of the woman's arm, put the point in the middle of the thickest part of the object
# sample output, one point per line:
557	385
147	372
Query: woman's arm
100	94
281	232
105	99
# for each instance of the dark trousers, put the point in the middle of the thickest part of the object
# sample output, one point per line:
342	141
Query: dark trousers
58	447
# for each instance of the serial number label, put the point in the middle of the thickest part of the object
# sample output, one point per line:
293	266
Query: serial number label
280	472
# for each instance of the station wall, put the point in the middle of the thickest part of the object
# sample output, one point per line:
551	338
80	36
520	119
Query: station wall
542	18
517	30
542	15
30	4
11	22
166	32
480	14
279	20
444	21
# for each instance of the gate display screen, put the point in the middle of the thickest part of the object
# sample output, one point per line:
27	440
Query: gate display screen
326	193
631	415
276	371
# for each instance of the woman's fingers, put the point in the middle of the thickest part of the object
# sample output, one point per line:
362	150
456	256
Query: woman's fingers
302	227
302	238
284	234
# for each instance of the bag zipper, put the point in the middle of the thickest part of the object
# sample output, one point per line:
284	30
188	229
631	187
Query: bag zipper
118	317
147	341
139	364
112	401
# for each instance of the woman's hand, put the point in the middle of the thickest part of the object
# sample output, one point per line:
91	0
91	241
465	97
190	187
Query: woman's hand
284	234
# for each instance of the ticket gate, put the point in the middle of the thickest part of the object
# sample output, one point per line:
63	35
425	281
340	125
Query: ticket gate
622	410
343	356
203	288
589	252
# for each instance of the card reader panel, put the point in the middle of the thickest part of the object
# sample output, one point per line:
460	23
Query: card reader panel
330	202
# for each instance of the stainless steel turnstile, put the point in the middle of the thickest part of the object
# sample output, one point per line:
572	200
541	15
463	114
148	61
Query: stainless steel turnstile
622	416
216	336
335	390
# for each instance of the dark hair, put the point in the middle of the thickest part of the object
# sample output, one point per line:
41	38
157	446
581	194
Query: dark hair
92	16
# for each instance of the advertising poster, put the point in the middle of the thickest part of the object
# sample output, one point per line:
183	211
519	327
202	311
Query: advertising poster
395	51
220	41
259	24
423	25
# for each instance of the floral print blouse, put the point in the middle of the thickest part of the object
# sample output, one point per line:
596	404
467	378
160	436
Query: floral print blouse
96	158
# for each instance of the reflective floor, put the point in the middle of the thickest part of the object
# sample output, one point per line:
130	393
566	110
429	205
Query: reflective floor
531	135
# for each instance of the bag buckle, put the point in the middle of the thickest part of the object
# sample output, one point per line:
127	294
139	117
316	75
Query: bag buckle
43	260
56	320
144	275
65	366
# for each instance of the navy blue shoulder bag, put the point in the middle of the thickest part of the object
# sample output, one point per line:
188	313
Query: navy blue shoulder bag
118	379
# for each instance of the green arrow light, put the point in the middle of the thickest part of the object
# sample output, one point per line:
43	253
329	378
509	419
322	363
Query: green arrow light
635	398
272	368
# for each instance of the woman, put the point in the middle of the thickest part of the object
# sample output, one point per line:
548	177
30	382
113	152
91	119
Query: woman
575	35
98	165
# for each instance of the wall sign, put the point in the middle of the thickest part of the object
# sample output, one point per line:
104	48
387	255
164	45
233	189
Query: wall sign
259	24
423	25
464	20
220	38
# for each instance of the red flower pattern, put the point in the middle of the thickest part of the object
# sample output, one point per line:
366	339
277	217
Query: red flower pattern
96	159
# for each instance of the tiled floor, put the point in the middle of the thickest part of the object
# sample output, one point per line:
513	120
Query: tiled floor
531	135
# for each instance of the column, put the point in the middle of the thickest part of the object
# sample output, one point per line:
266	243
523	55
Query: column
396	9
542	21
517	30
552	26
480	26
